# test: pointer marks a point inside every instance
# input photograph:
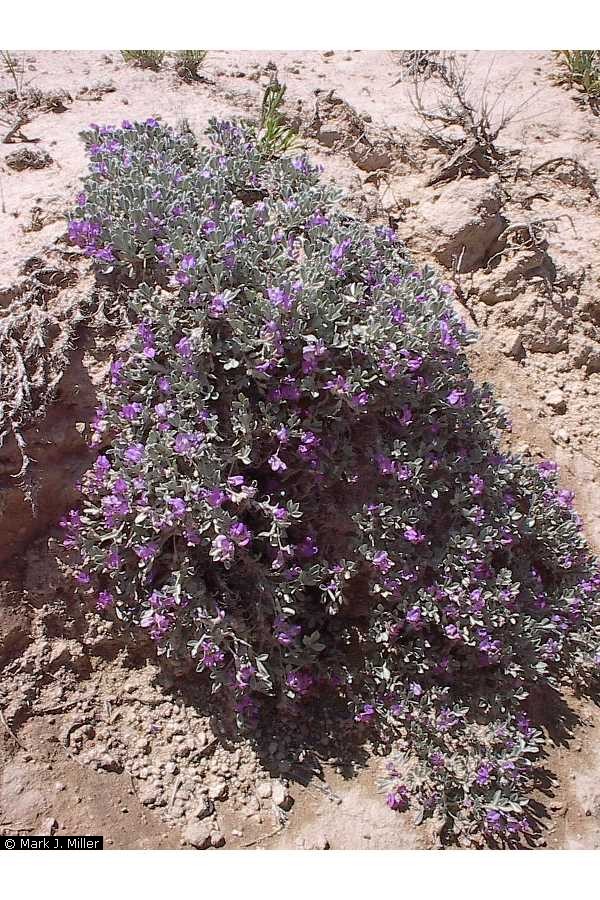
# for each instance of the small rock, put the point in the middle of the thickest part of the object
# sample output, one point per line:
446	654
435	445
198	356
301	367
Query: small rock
198	835
281	796
217	839
218	790
264	790
149	794
556	400
512	345
98	759
49	826
205	809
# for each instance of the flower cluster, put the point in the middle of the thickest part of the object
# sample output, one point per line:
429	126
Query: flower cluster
299	484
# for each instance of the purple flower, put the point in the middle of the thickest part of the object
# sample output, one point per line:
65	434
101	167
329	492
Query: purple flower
413	536
105	599
382	562
218	306
215	497
240	534
157	622
177	507
366	715
134	453
131	411
300	682
115	371
184	347
102	465
477	485
301	164
360	399
279	297
185	443
399	798
105	254
565	498
280	514
413	615
212	656
484	773
146	551
524	726
456	398
547	468
446	720
222	549
340	250
448	339
277	464
493	820
285	632
317	220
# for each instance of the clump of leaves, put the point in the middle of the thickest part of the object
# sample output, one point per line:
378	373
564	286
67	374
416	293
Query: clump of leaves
188	63
275	135
581	69
146	59
299	485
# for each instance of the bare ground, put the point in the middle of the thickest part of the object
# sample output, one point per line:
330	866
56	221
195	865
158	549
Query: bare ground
94	737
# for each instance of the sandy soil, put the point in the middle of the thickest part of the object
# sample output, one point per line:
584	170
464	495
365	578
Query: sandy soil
94	738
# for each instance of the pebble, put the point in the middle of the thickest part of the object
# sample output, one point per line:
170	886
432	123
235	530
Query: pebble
149	794
217	790
281	795
205	809
264	790
556	400
198	835
49	826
